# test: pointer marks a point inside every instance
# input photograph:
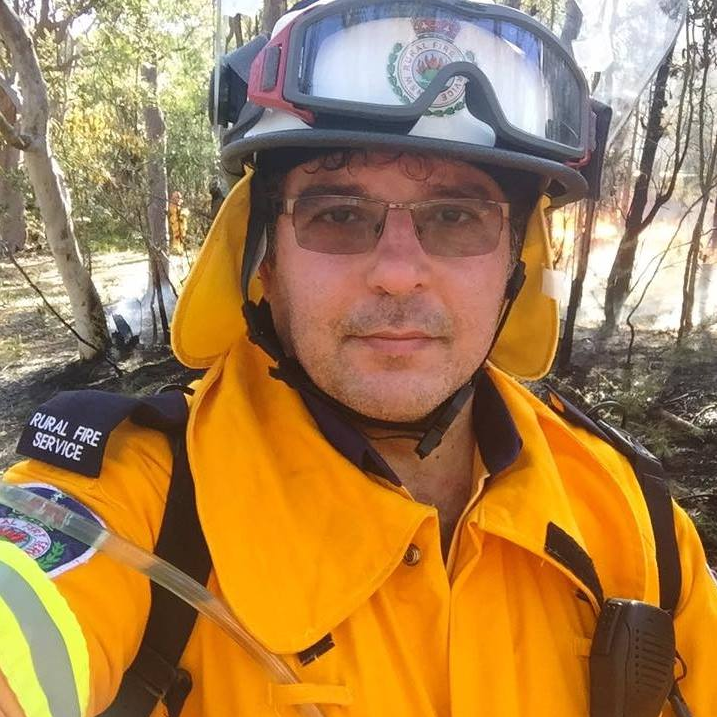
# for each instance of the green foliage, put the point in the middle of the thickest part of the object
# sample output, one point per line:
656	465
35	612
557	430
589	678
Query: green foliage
97	96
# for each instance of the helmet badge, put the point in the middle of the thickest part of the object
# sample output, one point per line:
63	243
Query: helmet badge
411	67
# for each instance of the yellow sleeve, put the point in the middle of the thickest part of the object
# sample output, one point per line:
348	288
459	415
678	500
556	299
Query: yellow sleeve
696	621
111	601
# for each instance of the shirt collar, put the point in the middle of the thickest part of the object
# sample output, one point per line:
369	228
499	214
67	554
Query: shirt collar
497	437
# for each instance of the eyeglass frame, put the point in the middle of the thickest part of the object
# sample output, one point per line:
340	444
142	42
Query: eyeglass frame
286	206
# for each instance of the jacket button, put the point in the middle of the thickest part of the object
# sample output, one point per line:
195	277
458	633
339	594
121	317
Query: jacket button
412	555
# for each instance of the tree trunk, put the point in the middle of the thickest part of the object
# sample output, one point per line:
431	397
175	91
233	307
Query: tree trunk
707	309
273	10
707	178
625	198
690	275
573	23
576	288
618	283
12	201
156	171
49	186
158	200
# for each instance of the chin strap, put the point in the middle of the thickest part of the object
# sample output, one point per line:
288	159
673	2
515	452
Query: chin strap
446	413
290	371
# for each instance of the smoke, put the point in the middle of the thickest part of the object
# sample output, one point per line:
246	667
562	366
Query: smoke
661	307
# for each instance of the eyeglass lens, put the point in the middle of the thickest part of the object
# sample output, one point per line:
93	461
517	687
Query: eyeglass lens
353	225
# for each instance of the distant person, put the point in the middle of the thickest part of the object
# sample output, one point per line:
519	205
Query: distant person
178	216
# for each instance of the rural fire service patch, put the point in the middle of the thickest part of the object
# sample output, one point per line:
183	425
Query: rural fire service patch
52	550
412	67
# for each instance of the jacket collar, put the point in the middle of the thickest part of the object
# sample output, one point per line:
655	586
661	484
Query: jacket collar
498	440
573	481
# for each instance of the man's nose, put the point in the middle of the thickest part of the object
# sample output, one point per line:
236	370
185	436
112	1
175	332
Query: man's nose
399	265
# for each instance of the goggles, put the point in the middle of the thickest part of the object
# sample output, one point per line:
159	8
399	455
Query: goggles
389	63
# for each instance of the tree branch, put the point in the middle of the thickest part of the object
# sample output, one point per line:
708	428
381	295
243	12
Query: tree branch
12	136
10	95
22	53
57	315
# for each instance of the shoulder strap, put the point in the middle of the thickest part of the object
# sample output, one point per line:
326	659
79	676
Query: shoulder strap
650	476
154	675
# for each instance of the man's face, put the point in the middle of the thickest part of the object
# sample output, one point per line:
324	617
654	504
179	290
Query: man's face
392	332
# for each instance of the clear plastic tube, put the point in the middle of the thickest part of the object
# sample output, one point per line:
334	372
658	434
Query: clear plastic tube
57	517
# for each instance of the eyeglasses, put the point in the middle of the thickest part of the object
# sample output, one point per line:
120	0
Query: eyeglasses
337	224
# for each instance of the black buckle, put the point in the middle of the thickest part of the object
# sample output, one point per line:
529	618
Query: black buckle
167	683
178	692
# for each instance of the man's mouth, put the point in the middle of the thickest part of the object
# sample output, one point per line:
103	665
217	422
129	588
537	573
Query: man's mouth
396	342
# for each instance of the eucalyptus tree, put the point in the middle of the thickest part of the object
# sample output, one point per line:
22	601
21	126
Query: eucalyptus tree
29	133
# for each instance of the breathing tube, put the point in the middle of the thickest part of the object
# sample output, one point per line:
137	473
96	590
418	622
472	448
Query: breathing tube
58	517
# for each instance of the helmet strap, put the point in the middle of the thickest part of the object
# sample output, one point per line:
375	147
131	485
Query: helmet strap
447	412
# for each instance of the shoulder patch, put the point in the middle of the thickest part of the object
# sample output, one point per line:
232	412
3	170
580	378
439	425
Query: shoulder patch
71	429
52	550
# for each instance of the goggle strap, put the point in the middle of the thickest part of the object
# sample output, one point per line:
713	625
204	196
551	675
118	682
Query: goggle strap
257	317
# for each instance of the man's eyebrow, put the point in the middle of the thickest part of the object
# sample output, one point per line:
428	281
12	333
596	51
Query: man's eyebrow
465	190
346	190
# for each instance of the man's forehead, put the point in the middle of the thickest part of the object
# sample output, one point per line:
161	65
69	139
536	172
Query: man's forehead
375	173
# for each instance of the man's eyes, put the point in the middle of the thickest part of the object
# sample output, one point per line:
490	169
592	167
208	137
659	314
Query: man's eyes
340	215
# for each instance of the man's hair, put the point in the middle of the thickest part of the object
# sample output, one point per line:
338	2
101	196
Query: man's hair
522	189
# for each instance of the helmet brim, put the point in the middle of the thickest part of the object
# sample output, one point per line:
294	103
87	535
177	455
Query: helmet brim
563	184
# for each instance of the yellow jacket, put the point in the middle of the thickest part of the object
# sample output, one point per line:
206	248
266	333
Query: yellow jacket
304	544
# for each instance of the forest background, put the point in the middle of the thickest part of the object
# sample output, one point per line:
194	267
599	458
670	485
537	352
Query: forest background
109	179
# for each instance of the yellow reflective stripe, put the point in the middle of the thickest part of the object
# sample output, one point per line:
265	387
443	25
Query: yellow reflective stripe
73	650
17	666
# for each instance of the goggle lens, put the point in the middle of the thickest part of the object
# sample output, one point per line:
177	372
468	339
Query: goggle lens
388	53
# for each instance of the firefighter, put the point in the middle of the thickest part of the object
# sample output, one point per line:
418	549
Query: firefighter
359	475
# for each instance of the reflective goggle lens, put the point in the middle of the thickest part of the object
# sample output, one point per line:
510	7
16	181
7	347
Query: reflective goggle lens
353	225
388	53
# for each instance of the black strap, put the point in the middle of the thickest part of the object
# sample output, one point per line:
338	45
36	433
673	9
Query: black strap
651	477
659	505
154	675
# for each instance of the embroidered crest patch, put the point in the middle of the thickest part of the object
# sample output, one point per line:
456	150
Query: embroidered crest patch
52	550
412	67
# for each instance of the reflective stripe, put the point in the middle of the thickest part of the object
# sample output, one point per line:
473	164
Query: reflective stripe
44	657
17	667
